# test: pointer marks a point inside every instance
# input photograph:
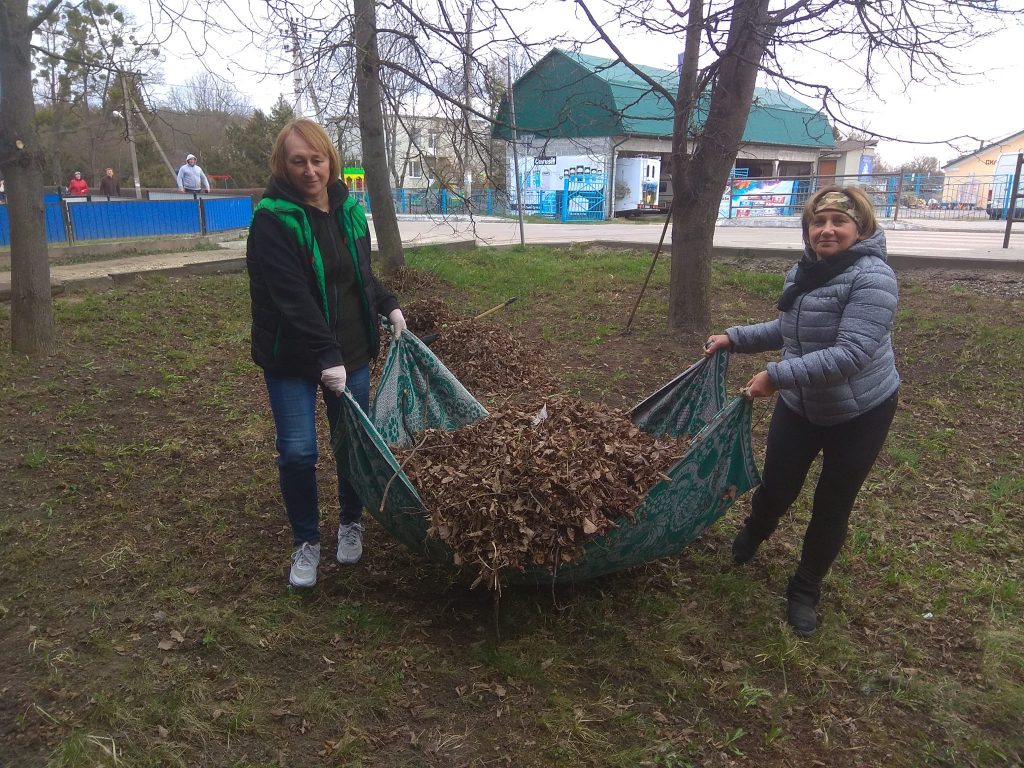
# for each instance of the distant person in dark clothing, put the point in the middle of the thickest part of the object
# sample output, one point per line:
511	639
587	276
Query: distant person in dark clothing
109	185
837	385
78	185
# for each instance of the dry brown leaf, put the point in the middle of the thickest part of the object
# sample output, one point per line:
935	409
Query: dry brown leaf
506	494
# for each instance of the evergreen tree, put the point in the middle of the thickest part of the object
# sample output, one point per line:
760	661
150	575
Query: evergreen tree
245	153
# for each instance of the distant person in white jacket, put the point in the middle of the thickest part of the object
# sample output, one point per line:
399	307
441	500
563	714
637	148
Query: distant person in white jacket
191	177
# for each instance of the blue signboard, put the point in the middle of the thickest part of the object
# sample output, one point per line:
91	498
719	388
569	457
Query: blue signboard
867	166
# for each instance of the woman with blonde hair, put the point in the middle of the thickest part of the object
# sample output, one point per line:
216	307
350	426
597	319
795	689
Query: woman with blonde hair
837	385
316	306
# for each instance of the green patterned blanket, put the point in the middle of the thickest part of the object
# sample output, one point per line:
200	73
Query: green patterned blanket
417	392
717	467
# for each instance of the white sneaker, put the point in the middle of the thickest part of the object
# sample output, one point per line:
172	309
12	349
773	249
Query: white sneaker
350	543
305	559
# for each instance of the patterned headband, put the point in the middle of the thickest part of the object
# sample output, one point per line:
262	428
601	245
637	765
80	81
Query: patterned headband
838	201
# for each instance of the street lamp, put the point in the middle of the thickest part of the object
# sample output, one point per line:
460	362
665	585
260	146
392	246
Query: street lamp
130	137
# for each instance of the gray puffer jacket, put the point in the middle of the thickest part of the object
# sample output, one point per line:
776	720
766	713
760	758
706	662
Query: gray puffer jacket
837	359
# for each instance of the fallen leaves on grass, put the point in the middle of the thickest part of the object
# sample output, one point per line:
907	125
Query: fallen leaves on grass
404	281
485	357
507	493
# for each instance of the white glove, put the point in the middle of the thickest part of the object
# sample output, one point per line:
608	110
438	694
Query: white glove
334	379
397	322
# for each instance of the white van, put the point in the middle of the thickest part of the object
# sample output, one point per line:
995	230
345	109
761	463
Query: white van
1002	178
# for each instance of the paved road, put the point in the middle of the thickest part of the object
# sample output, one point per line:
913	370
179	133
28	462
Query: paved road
942	244
982	241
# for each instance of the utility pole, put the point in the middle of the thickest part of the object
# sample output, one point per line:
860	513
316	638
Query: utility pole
294	37
142	117
130	132
515	155
467	95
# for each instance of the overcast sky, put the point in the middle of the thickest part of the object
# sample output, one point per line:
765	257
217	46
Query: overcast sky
985	108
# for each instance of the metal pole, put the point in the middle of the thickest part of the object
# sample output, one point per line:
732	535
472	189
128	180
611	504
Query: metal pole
296	67
1013	195
131	136
174	174
515	155
467	94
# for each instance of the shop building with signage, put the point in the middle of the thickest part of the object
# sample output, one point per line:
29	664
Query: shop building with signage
580	116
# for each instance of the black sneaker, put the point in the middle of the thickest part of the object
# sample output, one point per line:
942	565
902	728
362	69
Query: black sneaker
745	545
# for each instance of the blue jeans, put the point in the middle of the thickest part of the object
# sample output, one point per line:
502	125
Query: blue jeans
293	403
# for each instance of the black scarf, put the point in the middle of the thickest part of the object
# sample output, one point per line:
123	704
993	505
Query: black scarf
813	272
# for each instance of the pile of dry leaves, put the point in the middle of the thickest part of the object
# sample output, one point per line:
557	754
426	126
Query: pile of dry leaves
528	487
485	357
405	280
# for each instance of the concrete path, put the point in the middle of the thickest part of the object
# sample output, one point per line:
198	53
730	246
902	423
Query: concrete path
981	242
934	244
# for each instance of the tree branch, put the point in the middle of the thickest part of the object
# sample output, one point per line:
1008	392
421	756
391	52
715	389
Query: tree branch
620	58
43	14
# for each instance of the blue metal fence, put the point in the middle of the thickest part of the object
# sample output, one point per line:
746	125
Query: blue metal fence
896	197
227	213
115	219
583	198
55	230
442	202
105	221
911	196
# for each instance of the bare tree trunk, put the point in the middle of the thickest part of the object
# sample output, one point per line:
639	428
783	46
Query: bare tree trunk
697	190
32	330
371	129
691	247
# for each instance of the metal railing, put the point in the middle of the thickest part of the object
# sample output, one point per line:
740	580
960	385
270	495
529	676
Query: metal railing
76	219
895	196
442	202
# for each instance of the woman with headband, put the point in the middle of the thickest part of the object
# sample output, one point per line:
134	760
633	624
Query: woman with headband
837	385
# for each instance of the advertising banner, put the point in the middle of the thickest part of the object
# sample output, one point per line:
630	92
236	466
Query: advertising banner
865	168
747	198
543	174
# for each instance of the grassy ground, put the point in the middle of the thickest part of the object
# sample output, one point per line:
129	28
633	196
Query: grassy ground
145	621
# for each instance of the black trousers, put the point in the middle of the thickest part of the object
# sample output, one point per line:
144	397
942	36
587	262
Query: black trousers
848	451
